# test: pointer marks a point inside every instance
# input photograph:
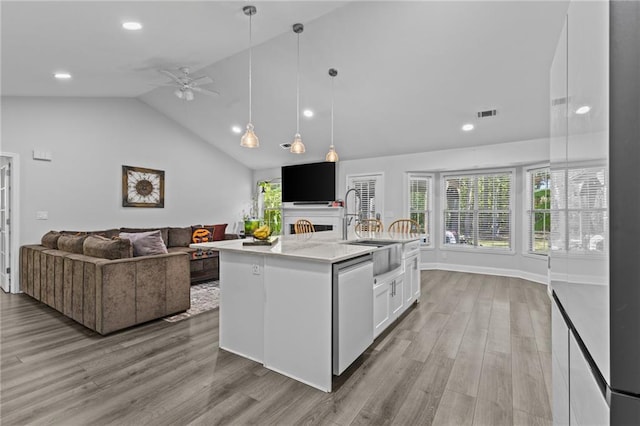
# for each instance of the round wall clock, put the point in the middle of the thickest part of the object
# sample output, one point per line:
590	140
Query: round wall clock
142	187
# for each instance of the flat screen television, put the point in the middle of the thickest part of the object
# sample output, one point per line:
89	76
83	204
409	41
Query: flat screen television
309	183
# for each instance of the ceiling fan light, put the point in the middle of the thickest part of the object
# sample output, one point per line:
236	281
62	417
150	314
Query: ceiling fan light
188	95
179	93
297	147
249	139
332	155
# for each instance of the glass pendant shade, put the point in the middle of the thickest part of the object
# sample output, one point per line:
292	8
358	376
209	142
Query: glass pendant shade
297	147
332	155
249	139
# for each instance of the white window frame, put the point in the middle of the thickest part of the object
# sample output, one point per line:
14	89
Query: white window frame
528	209
379	178
427	238
443	203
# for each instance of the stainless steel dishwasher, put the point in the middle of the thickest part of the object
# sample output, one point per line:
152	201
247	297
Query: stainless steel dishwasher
352	310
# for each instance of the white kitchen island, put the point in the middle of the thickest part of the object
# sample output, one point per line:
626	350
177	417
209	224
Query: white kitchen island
277	302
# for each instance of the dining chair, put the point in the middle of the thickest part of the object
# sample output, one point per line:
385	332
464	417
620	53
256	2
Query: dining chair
405	226
304	226
369	225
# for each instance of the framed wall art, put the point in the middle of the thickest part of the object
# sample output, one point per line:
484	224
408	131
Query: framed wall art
142	187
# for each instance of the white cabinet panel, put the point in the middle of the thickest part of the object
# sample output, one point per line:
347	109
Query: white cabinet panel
587	404
298	320
560	366
242	305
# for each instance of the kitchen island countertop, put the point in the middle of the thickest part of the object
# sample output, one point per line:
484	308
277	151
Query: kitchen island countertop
326	246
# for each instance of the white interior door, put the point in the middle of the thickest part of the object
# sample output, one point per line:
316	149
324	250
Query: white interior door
5	251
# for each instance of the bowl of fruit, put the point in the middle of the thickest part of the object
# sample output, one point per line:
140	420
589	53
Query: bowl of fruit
262	233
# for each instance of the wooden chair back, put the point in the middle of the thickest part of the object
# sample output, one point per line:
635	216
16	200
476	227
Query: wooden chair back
304	226
369	225
405	226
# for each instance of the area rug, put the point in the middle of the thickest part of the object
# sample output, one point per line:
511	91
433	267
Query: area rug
204	297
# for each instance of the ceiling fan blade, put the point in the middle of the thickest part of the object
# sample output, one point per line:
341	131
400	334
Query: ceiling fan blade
171	76
205	79
205	91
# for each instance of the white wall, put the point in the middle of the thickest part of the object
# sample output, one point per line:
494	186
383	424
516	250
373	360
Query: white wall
515	154
90	139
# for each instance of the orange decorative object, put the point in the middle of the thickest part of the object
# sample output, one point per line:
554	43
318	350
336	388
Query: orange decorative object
202	235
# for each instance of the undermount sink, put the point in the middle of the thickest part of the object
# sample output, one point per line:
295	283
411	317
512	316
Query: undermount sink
375	243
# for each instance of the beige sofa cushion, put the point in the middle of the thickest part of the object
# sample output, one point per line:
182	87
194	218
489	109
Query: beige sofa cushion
50	239
71	243
116	248
179	237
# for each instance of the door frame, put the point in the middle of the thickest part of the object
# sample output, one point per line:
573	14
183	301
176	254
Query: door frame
14	219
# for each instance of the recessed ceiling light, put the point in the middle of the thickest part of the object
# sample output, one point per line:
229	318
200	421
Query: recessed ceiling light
467	127
307	113
62	75
236	129
132	26
583	109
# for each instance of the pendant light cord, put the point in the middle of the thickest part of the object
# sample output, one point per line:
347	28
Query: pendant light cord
250	64
298	90
332	110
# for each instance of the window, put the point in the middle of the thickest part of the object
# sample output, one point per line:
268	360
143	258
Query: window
538	193
370	189
579	215
272	203
477	210
420	202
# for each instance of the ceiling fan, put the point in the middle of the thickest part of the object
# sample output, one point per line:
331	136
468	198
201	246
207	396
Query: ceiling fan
186	85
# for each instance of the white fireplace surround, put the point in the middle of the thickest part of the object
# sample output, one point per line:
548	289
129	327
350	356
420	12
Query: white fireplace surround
318	214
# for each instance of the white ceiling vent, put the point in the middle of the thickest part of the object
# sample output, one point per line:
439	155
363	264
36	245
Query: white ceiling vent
285	145
487	113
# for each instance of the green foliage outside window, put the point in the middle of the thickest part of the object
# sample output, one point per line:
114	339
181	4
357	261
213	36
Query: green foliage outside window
272	206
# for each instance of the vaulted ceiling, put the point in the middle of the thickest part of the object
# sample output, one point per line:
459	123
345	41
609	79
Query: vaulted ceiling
410	74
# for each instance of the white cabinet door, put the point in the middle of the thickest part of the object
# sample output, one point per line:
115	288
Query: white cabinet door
397	296
412	273
381	307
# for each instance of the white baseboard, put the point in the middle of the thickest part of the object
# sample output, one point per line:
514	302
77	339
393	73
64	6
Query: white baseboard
514	273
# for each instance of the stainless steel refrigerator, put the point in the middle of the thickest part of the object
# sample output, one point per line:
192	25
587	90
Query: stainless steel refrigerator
595	215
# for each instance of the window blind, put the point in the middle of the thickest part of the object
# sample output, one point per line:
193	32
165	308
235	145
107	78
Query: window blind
477	210
420	202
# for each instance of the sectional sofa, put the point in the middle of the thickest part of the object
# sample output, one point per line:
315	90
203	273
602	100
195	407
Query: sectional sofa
108	280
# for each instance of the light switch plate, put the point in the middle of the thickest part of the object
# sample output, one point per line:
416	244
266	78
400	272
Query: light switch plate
42	215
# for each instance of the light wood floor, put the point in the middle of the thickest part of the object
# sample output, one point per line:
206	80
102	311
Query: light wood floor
476	350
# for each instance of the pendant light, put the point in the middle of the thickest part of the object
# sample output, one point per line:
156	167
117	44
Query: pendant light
297	147
332	155
249	139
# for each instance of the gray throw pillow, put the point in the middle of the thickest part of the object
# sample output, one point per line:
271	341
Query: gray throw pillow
146	243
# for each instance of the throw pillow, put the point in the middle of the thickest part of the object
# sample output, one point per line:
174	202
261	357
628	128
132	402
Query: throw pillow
105	248
146	243
203	234
218	231
50	239
179	237
164	232
71	243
